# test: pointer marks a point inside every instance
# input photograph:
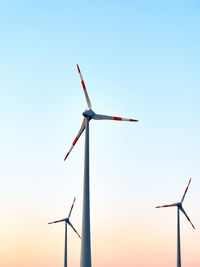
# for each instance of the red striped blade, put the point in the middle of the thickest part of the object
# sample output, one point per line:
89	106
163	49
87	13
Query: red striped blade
84	89
76	139
186	190
105	117
74	229
71	208
63	220
186	216
166	206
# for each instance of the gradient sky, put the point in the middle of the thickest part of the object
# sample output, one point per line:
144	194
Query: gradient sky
139	59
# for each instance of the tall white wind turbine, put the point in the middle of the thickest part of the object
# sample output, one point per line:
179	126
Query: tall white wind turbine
88	115
179	208
67	221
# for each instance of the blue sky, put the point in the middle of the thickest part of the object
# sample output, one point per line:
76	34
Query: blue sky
139	59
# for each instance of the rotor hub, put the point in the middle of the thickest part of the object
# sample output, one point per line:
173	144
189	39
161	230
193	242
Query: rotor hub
88	114
179	204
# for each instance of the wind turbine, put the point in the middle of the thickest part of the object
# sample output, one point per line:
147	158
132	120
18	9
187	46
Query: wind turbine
88	115
179	208
67	221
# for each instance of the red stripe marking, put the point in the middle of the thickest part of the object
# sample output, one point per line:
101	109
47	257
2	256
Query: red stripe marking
66	156
165	206
132	120
83	84
75	140
117	118
78	68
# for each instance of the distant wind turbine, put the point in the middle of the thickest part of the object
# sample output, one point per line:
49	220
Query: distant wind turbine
88	115
179	208
67	221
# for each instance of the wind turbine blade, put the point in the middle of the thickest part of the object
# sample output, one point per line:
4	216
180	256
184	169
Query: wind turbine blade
76	139
181	208
105	117
84	89
185	191
166	206
71	208
63	220
74	229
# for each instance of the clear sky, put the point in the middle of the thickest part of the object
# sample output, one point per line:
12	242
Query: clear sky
139	59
